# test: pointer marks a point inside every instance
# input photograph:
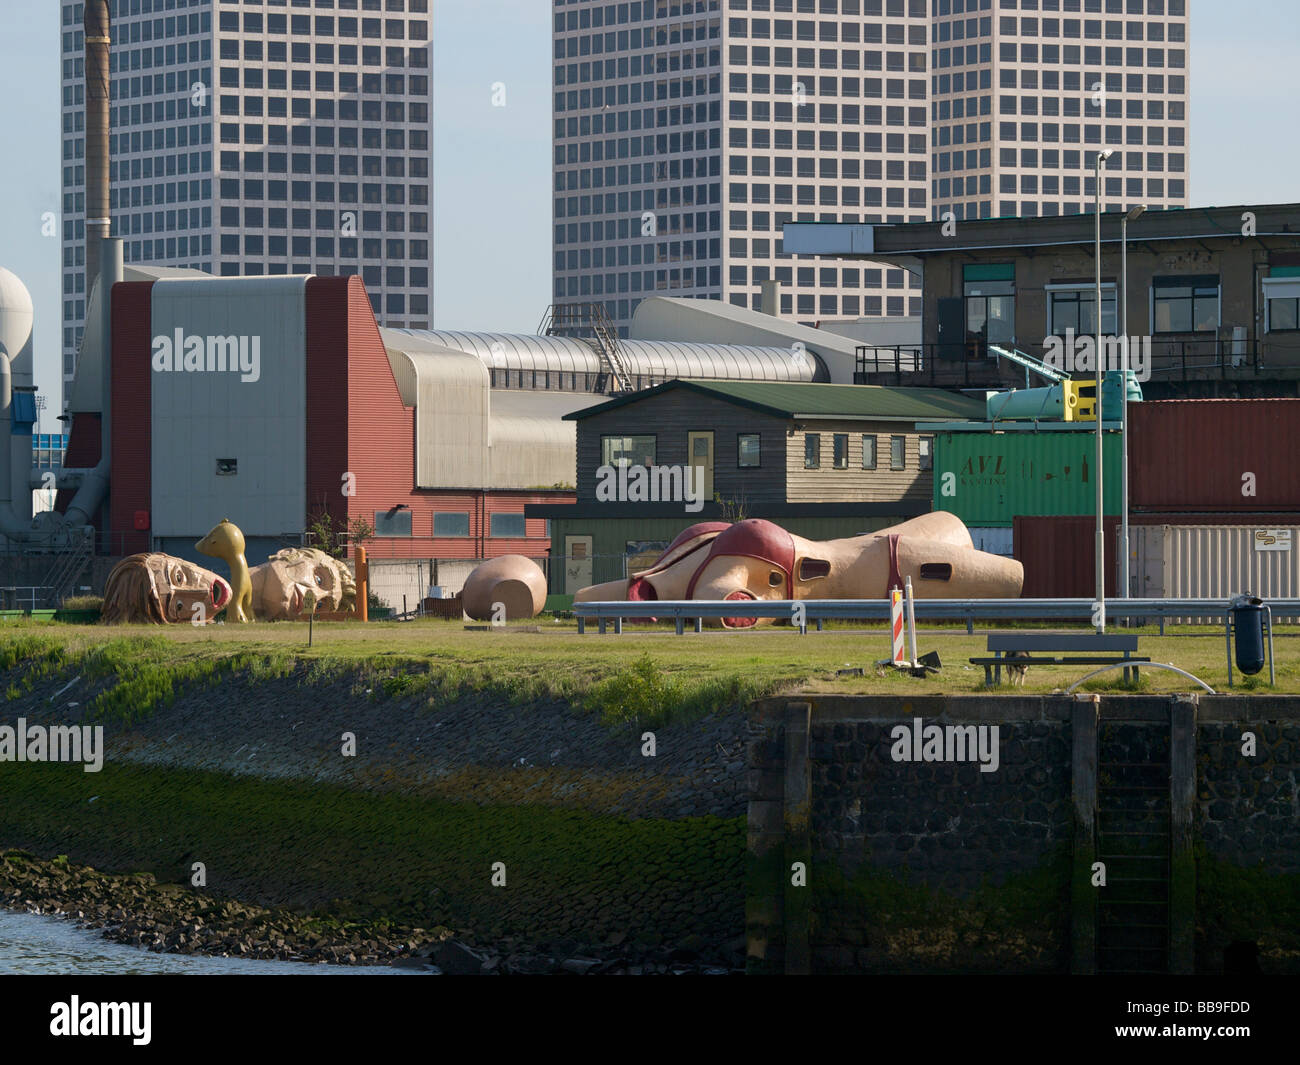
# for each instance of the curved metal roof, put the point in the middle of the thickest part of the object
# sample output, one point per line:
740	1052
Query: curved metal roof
654	358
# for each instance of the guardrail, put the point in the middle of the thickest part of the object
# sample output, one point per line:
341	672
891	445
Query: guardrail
817	611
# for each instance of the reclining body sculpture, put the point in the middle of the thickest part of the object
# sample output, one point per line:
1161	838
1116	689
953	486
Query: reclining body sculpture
757	559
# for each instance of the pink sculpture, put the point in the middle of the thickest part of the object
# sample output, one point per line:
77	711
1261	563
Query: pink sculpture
757	559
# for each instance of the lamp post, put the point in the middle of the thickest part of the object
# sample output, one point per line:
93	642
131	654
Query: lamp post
1123	586
1100	552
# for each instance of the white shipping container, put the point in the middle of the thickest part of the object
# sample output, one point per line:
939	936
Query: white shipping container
994	541
1215	561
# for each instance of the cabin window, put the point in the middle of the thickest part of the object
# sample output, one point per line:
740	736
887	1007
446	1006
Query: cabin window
841	442
898	452
868	452
508	525
393	522
627	450
812	451
747	450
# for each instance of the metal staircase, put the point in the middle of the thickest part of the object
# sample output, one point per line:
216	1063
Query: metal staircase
1134	841
590	320
1029	362
67	568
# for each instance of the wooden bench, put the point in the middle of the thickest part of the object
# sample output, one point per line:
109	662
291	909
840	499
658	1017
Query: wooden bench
1078	649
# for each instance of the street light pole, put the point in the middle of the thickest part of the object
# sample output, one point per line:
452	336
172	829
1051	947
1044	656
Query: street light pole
1099	557
1123	585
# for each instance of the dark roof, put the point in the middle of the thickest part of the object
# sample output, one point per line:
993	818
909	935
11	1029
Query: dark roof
814	401
1011	233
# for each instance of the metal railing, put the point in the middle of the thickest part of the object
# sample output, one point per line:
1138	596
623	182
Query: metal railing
976	364
817	611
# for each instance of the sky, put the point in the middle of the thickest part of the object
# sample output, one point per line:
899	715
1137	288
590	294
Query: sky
492	164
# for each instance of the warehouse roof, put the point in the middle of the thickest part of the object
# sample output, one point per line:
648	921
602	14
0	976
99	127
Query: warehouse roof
816	401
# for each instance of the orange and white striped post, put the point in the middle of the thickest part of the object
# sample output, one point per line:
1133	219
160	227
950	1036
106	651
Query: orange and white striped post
896	622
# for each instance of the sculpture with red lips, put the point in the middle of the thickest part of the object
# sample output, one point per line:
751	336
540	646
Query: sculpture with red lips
757	559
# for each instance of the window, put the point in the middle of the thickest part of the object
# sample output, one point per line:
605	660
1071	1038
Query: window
990	294
451	524
812	451
396	522
841	450
926	453
1282	300
1185	304
747	450
627	450
508	525
1075	307
868	452
897	452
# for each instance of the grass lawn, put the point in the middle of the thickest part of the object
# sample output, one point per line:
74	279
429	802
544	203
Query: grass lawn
652	664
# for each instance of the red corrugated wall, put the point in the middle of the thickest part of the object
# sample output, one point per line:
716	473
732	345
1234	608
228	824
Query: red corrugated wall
1192	454
1059	553
129	489
350	385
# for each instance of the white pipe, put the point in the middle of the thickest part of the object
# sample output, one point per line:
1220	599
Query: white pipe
11	524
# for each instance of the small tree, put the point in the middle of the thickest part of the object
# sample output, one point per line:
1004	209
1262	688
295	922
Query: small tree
359	531
321	532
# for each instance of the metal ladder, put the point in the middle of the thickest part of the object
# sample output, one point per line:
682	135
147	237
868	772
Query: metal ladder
1134	841
67	568
583	319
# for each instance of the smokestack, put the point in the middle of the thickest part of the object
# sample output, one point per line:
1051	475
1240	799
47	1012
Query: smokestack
98	222
770	298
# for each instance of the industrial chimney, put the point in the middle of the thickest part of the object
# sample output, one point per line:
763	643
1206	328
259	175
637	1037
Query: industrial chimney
98	222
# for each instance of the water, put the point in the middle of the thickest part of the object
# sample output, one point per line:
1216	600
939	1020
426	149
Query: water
52	946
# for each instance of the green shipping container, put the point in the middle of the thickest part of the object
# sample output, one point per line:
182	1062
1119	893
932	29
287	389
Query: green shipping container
986	479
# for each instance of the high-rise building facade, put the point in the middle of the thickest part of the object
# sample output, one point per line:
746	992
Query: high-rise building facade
687	132
261	137
1027	92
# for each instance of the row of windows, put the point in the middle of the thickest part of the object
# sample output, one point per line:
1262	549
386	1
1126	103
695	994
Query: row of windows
373	166
806	30
739	55
830	306
867	452
1115	30
1071	107
392	29
1056	80
1173	8
449	524
702	277
302	80
322	136
826	195
847	114
301	53
320	192
347	110
621	14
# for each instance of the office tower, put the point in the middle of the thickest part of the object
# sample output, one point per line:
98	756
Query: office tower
262	137
1028	91
688	131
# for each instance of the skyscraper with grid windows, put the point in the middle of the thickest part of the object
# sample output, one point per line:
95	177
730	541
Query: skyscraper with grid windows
261	137
687	132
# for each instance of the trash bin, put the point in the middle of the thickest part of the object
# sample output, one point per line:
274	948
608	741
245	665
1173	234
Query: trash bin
1248	633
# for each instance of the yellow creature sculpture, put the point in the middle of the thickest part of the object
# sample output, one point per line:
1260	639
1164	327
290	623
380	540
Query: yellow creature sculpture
225	541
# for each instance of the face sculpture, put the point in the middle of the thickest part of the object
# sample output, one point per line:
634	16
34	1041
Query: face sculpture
163	590
281	583
757	559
